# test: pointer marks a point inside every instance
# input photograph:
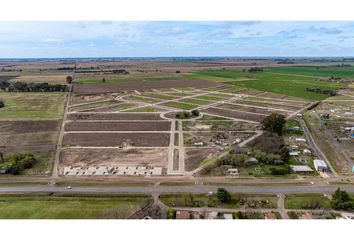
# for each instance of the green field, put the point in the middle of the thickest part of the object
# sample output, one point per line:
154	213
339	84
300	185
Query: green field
315	71
307	201
68	207
289	81
32	106
145	109
143	99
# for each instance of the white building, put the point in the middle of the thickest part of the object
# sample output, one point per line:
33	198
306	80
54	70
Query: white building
301	169
320	165
300	140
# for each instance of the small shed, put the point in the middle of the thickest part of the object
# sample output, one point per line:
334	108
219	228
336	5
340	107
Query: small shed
233	171
320	165
295	153
302	140
251	160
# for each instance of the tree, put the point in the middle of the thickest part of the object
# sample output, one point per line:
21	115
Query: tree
171	213
223	195
69	79
284	154
2	104
103	80
342	200
195	113
274	123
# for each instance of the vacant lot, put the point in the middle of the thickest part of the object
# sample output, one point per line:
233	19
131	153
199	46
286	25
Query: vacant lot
118	126
114	157
69	207
18	136
307	201
116	87
31	106
117	139
194	157
236	114
114	116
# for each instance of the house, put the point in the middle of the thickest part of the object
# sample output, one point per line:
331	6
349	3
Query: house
295	128
320	165
228	216
301	169
306	215
251	160
302	140
295	153
294	146
233	171
183	215
306	152
213	215
270	216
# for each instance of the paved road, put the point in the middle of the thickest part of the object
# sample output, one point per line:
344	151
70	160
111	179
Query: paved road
328	189
281	206
180	147
171	147
314	146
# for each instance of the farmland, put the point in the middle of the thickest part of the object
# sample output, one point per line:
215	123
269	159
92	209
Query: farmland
31	106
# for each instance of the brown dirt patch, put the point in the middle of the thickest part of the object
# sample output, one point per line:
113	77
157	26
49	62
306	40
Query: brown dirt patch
118	126
116	139
114	116
114	157
19	136
194	157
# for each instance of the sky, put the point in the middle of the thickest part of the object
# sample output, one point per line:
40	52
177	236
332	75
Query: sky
176	39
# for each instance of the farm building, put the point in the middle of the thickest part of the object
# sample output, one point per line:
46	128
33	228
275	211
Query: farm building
320	165
306	151
301	169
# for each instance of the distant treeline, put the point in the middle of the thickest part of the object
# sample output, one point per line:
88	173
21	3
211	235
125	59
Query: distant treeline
10	70
253	69
322	91
31	87
66	68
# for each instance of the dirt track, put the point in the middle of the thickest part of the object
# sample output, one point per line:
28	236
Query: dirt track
116	87
116	139
118	126
114	116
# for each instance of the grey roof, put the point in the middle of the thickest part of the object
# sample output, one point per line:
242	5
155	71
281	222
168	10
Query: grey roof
301	168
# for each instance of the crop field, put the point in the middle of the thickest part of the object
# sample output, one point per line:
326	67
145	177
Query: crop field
283	80
69	207
31	106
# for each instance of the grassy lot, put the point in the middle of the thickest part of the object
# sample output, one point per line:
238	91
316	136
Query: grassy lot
31	106
145	109
92	105
195	101
160	96
43	165
289	128
143	99
202	200
68	207
179	105
307	201
291	84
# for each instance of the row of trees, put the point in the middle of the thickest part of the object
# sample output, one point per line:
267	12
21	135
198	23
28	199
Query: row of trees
31	87
341	200
15	163
322	91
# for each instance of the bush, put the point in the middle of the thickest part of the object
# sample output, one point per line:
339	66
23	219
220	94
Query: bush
223	195
195	113
15	163
280	171
2	104
171	213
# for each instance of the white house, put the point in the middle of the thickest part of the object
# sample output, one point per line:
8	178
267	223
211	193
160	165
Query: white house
295	153
300	140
